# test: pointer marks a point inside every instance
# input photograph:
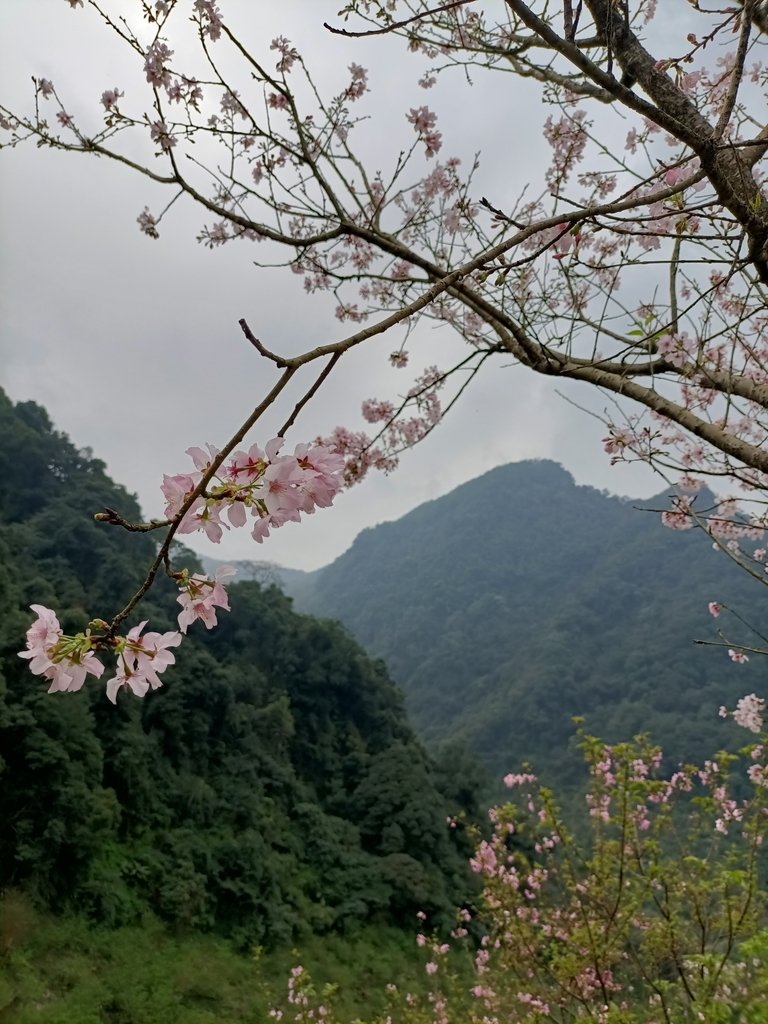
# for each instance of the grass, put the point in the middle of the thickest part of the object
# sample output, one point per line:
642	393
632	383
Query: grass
69	971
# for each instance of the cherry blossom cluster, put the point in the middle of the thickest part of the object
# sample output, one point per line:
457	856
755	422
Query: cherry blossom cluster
424	121
140	657
274	489
66	660
544	904
748	713
200	597
362	452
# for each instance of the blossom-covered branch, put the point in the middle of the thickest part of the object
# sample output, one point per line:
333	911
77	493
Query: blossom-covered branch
273	488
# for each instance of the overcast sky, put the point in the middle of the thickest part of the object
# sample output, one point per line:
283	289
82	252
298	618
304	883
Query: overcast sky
133	345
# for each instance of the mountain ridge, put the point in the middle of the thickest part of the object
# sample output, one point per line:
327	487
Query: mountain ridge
522	599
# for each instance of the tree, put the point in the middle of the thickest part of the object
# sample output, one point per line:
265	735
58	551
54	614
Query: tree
651	911
636	262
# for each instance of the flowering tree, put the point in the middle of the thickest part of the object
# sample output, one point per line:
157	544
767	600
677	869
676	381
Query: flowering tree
635	262
654	913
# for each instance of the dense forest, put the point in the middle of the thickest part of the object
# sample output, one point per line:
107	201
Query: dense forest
272	788
520	600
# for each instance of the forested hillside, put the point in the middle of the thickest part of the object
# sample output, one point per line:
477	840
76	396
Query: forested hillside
273	787
520	600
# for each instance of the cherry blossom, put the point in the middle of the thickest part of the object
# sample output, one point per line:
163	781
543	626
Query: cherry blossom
633	249
749	713
275	489
140	659
359	84
147	223
288	54
156	57
160	133
110	97
210	17
63	660
201	596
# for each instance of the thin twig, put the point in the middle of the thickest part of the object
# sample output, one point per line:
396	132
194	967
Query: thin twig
395	24
277	360
113	518
207	476
310	394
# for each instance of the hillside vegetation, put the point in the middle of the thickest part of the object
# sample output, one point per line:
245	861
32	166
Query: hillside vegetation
520	600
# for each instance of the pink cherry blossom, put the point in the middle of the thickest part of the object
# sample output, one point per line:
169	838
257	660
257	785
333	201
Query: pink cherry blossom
485	859
288	54
201	596
140	661
204	515
714	609
422	119
67	675
433	142
109	98
161	133
202	459
679	517
280	482
45	632
359	84
130	680
210	17
176	489
147	224
157	56
245	467
65	661
519	779
749	713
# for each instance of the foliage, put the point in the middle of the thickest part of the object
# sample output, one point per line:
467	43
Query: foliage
242	796
69	971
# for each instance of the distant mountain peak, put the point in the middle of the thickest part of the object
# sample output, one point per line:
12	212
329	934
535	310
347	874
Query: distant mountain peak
521	599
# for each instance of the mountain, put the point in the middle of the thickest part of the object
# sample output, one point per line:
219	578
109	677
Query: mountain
272	787
520	600
292	581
